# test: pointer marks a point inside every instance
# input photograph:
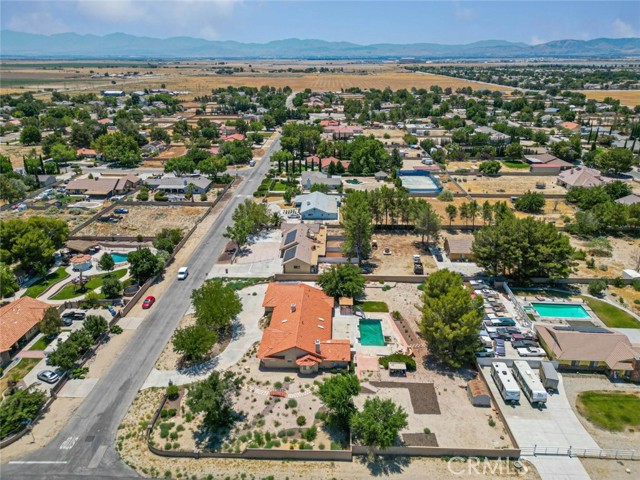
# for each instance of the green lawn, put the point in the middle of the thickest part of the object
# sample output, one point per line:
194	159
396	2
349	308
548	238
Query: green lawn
510	164
278	187
41	344
20	370
612	316
96	281
373	306
610	410
41	285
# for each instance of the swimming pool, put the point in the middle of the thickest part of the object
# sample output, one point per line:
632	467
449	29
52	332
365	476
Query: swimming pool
560	310
119	257
371	333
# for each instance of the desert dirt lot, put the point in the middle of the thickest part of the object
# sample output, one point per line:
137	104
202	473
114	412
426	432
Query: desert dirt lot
16	152
621	257
508	184
72	218
403	247
147	220
554	209
630	98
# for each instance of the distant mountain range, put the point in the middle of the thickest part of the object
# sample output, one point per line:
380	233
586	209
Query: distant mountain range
120	45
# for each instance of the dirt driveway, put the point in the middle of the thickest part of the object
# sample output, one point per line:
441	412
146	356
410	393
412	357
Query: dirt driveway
403	247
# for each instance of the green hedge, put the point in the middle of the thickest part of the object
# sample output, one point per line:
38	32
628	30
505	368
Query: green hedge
398	357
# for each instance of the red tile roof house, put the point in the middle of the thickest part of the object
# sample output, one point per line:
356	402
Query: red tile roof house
231	138
300	330
18	324
324	163
86	153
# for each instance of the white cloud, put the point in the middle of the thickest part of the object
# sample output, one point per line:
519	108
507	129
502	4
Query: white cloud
463	13
623	29
37	22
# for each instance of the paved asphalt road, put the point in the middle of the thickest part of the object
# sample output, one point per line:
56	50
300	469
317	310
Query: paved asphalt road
85	446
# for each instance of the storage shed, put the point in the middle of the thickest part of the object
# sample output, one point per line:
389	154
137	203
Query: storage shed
478	393
549	376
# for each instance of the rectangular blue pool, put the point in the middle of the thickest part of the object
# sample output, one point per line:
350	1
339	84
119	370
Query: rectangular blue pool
560	310
371	333
119	257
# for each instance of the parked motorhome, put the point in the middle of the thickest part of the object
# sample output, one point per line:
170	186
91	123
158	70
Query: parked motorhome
529	382
505	382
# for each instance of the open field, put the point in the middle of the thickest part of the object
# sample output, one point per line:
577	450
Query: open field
16	152
73	216
631	98
403	247
509	184
146	220
620	259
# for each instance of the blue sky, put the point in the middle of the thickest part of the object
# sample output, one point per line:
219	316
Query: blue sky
362	22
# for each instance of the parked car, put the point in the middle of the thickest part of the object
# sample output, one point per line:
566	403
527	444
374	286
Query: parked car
531	352
416	259
183	273
293	215
418	269
48	376
150	300
503	333
74	315
121	210
485	352
438	256
67	322
523	344
500	348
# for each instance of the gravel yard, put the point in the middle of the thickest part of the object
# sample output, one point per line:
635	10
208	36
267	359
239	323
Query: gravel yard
515	185
403	247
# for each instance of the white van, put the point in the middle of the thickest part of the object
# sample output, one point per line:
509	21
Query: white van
183	273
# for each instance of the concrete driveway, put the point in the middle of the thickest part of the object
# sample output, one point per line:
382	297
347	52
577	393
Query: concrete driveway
556	425
246	332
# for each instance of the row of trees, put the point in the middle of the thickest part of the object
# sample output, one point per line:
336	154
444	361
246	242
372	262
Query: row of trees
249	218
79	341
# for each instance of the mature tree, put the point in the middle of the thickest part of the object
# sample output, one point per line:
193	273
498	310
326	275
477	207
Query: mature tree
342	281
180	166
600	247
358	227
19	408
452	212
378	424
487	212
588	197
70	351
34	250
522	249
490	167
615	161
8	284
236	152
427	222
160	134
62	154
111	287
143	265
106	262
95	325
12	189
213	166
214	397
282	157
514	151
530	202
238	233
320	187
216	305
451	319
119	148
51	322
194	342
167	239
617	189
30	135
336	393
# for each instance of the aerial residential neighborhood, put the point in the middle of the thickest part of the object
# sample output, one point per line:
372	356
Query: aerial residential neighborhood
414	254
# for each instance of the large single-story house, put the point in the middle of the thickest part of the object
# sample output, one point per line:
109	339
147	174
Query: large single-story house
102	187
459	248
629	199
86	153
18	324
178	185
317	206
299	334
591	349
308	179
546	164
301	246
581	177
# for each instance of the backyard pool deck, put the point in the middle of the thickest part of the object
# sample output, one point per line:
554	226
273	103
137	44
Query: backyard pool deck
559	310
347	326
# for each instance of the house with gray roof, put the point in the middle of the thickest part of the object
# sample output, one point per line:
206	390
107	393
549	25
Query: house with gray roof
178	185
318	206
308	179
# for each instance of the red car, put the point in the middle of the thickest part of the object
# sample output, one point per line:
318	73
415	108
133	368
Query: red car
150	300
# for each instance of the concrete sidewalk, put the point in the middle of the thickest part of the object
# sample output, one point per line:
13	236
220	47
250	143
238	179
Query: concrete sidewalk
246	332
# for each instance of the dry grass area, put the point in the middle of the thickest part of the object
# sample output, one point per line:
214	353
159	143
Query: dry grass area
631	98
403	247
16	152
509	184
629	294
147	220
440	207
73	219
174	150
620	259
554	209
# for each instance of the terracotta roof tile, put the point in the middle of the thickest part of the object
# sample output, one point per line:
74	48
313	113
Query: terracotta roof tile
17	318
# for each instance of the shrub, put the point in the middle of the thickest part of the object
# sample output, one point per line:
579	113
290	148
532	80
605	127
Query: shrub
143	195
203	197
336	446
310	433
282	433
427	430
301	420
168	413
492	422
287	378
277	385
445	196
636	284
398	357
159	196
167	446
116	330
596	287
172	392
618	282
321	446
396	315
292	403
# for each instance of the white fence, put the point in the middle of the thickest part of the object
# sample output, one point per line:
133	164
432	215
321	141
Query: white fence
516	303
580	452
